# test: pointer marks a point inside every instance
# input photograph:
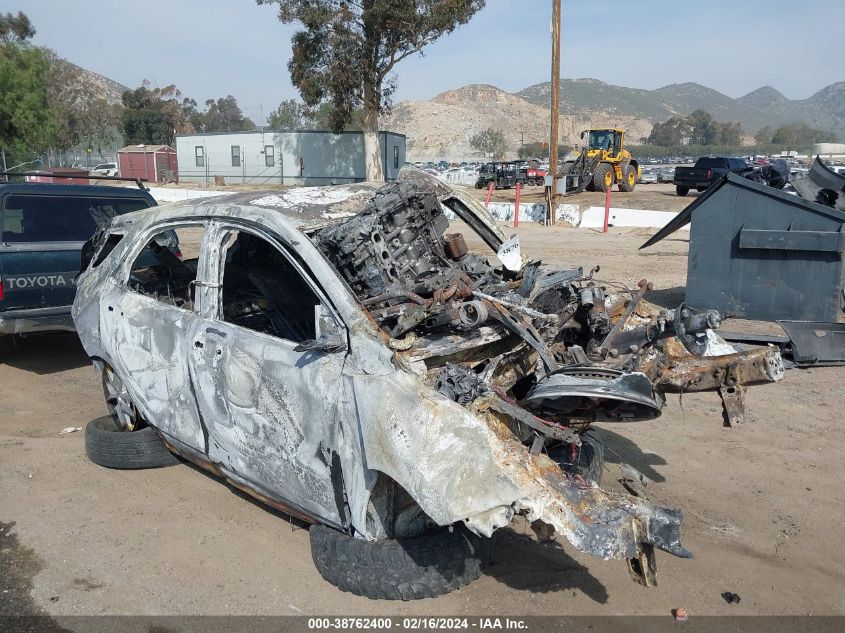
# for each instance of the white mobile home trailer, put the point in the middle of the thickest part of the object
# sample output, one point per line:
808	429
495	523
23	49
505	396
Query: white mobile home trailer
299	157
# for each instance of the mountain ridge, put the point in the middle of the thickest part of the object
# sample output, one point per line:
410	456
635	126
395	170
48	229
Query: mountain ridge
765	106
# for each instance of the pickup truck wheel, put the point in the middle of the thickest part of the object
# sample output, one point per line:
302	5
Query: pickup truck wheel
629	179
603	177
681	191
425	566
586	461
107	445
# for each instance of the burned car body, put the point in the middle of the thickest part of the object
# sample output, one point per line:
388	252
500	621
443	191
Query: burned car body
337	354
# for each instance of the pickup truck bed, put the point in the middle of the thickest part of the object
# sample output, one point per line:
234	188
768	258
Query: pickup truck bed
707	170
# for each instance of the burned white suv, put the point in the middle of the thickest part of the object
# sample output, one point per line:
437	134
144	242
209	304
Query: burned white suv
339	355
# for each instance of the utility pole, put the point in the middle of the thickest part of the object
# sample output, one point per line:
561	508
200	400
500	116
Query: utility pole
553	139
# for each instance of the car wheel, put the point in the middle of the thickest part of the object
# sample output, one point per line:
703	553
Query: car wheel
586	461
121	408
109	446
425	566
123	439
681	191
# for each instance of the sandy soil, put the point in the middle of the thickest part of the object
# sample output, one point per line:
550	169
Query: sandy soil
764	503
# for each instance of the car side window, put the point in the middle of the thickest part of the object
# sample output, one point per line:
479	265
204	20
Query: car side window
263	291
41	218
166	268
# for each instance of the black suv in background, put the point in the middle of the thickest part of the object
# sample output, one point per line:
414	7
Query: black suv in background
44	227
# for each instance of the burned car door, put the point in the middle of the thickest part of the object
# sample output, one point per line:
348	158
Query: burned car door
267	363
148	315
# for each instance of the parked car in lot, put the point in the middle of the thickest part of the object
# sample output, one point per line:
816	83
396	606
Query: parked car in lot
44	227
106	169
648	177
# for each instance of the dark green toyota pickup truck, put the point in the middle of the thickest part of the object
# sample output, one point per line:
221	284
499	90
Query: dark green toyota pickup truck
44	227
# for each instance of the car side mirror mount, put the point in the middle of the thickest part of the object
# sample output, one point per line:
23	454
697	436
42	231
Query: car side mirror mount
331	337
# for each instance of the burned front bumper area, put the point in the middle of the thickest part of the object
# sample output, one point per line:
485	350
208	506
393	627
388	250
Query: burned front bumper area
535	357
605	524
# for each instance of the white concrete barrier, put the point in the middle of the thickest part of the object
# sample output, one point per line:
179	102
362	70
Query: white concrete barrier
575	217
464	177
594	218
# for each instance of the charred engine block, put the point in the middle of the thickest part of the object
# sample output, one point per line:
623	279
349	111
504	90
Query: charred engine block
396	259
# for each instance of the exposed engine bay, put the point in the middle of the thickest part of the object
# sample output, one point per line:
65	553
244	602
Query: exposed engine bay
553	351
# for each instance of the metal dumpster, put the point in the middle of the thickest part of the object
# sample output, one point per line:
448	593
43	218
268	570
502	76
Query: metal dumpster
759	253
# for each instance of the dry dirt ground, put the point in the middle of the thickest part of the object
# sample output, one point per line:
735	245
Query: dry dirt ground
764	503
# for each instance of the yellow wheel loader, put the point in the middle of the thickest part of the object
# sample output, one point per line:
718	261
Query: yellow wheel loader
602	162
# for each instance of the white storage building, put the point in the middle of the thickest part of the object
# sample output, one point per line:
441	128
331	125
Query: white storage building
299	157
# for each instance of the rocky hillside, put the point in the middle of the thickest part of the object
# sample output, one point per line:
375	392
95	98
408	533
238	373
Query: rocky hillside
764	106
102	86
441	128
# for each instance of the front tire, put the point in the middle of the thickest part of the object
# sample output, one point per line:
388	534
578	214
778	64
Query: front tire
425	566
603	177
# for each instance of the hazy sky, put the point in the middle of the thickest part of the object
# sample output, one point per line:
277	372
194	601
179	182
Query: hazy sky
211	48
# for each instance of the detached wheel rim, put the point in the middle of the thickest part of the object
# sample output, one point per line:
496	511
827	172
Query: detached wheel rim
119	402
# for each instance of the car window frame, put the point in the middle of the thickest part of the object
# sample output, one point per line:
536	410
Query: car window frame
120	274
218	233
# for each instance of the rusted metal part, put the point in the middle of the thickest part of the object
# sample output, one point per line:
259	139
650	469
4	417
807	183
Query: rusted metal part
525	331
603	523
534	314
503	403
709	373
215	470
456	245
733	404
608	342
643	566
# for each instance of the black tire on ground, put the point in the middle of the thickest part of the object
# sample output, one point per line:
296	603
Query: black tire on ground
629	179
589	459
108	446
600	177
681	190
405	569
